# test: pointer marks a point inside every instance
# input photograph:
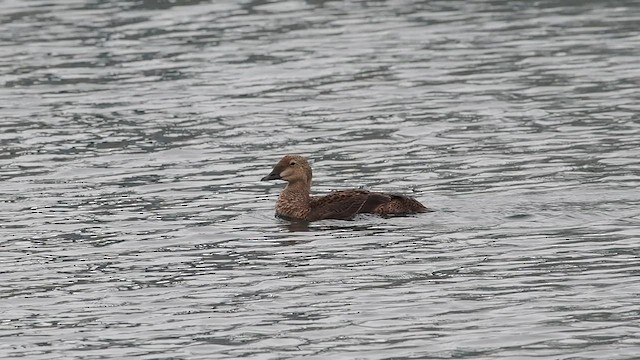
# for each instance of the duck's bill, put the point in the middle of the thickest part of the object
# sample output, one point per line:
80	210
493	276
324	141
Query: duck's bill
272	176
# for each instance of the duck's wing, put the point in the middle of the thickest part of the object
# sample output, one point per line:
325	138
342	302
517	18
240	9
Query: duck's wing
344	205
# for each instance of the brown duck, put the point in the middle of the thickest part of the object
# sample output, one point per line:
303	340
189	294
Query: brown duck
296	203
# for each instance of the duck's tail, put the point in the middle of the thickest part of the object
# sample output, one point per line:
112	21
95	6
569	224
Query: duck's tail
400	205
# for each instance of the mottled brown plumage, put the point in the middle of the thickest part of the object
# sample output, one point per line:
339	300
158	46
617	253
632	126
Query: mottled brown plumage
296	203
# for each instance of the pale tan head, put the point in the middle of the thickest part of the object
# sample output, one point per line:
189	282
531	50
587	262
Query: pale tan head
291	168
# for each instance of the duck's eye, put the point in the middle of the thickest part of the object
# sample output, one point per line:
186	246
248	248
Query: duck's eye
292	163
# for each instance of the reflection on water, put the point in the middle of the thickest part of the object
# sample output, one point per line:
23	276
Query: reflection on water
134	134
295	226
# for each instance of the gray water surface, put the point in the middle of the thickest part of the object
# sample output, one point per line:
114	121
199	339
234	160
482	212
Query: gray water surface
133	136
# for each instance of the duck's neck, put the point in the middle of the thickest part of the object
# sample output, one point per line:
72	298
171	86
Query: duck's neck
294	201
297	192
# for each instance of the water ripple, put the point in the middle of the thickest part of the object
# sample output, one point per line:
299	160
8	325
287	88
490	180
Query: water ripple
134	134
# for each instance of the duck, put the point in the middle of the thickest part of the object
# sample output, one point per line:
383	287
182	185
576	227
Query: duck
296	203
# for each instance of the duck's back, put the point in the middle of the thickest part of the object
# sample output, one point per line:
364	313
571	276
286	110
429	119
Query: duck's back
346	204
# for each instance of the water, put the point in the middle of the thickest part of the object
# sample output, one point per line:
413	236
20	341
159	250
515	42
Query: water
133	223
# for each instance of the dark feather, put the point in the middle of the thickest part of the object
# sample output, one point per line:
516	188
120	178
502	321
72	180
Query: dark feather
400	205
344	205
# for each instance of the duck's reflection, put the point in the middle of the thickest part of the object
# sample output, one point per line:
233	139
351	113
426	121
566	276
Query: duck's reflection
295	226
305	226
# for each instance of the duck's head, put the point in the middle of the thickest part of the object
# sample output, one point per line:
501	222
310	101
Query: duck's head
291	168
